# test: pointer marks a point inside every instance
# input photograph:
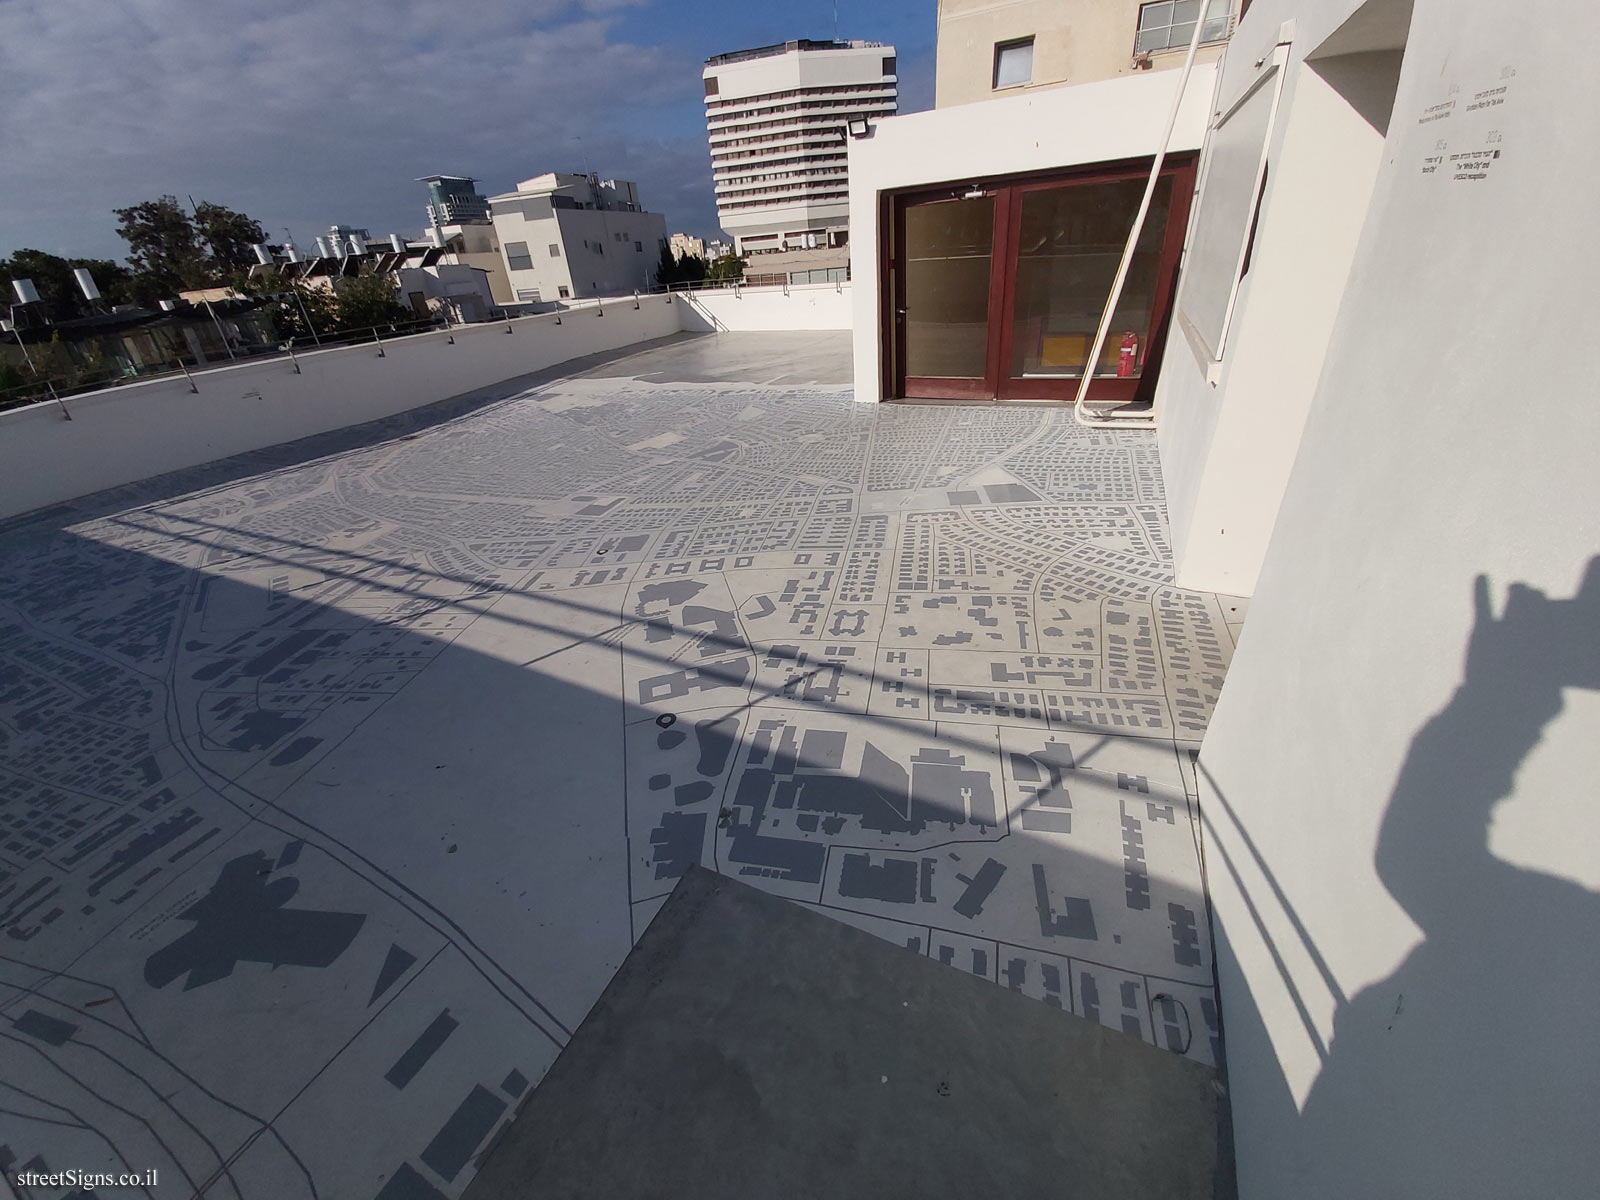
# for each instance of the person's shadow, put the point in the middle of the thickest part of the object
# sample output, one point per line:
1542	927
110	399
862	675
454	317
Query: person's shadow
1473	1069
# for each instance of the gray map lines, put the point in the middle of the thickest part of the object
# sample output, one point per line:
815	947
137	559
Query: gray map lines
342	785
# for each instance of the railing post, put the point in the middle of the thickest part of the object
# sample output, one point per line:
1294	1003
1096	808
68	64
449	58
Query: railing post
58	399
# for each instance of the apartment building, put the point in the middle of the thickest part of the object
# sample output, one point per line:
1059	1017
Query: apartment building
564	236
778	118
990	48
685	244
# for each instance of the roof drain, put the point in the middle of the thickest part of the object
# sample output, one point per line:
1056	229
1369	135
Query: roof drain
1079	411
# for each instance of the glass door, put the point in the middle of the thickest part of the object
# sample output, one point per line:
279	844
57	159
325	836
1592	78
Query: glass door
999	292
943	312
1070	240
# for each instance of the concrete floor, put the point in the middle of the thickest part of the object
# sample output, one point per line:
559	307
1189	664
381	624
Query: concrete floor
336	782
721	1064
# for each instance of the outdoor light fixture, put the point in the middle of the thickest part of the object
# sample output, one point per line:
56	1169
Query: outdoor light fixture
975	192
858	127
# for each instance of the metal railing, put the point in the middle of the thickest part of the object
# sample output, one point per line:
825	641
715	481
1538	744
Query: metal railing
48	386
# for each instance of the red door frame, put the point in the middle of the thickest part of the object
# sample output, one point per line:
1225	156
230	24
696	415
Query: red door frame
1006	195
951	387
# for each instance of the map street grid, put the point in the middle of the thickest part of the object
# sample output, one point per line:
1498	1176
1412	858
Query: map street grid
335	784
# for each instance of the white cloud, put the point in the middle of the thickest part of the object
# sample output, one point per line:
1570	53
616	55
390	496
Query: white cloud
307	112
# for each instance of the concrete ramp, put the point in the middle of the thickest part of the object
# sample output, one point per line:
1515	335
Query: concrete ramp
751	1047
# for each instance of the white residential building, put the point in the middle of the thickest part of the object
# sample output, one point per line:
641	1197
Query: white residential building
458	218
567	236
777	117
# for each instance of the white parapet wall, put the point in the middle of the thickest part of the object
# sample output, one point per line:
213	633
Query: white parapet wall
139	430
814	306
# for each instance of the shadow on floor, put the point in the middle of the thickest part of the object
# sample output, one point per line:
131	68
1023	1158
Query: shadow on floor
726	1060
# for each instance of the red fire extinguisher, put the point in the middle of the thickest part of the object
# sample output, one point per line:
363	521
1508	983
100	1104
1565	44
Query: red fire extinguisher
1125	360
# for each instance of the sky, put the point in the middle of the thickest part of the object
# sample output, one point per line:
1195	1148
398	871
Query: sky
308	113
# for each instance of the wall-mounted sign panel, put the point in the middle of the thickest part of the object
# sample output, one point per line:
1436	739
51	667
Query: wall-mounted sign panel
1234	166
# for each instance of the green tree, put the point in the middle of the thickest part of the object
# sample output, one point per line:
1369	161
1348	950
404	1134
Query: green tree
666	268
229	236
164	247
671	270
297	311
368	300
59	293
727	269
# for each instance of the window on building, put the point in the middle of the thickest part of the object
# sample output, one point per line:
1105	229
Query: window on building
638	247
517	256
1013	63
563	291
598	247
711	86
1169	24
555	250
888	65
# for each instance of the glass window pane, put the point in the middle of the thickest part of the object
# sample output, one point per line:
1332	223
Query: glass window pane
1154	16
1185	12
1070	244
1178	39
1013	65
948	248
1151	40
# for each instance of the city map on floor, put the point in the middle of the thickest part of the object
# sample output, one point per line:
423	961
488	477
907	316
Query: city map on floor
336	782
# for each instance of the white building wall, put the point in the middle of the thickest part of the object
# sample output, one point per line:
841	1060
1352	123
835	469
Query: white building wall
632	242
1229	430
623	267
1398	785
809	306
1033	131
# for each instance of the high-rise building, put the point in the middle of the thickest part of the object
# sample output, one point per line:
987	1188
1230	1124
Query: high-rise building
777	117
454	200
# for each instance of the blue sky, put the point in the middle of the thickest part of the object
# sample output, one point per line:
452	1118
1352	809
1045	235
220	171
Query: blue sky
304	113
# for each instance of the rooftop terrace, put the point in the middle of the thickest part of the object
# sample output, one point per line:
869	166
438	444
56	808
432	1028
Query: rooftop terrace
336	781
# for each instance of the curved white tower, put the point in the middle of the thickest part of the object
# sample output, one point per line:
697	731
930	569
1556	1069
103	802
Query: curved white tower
777	119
